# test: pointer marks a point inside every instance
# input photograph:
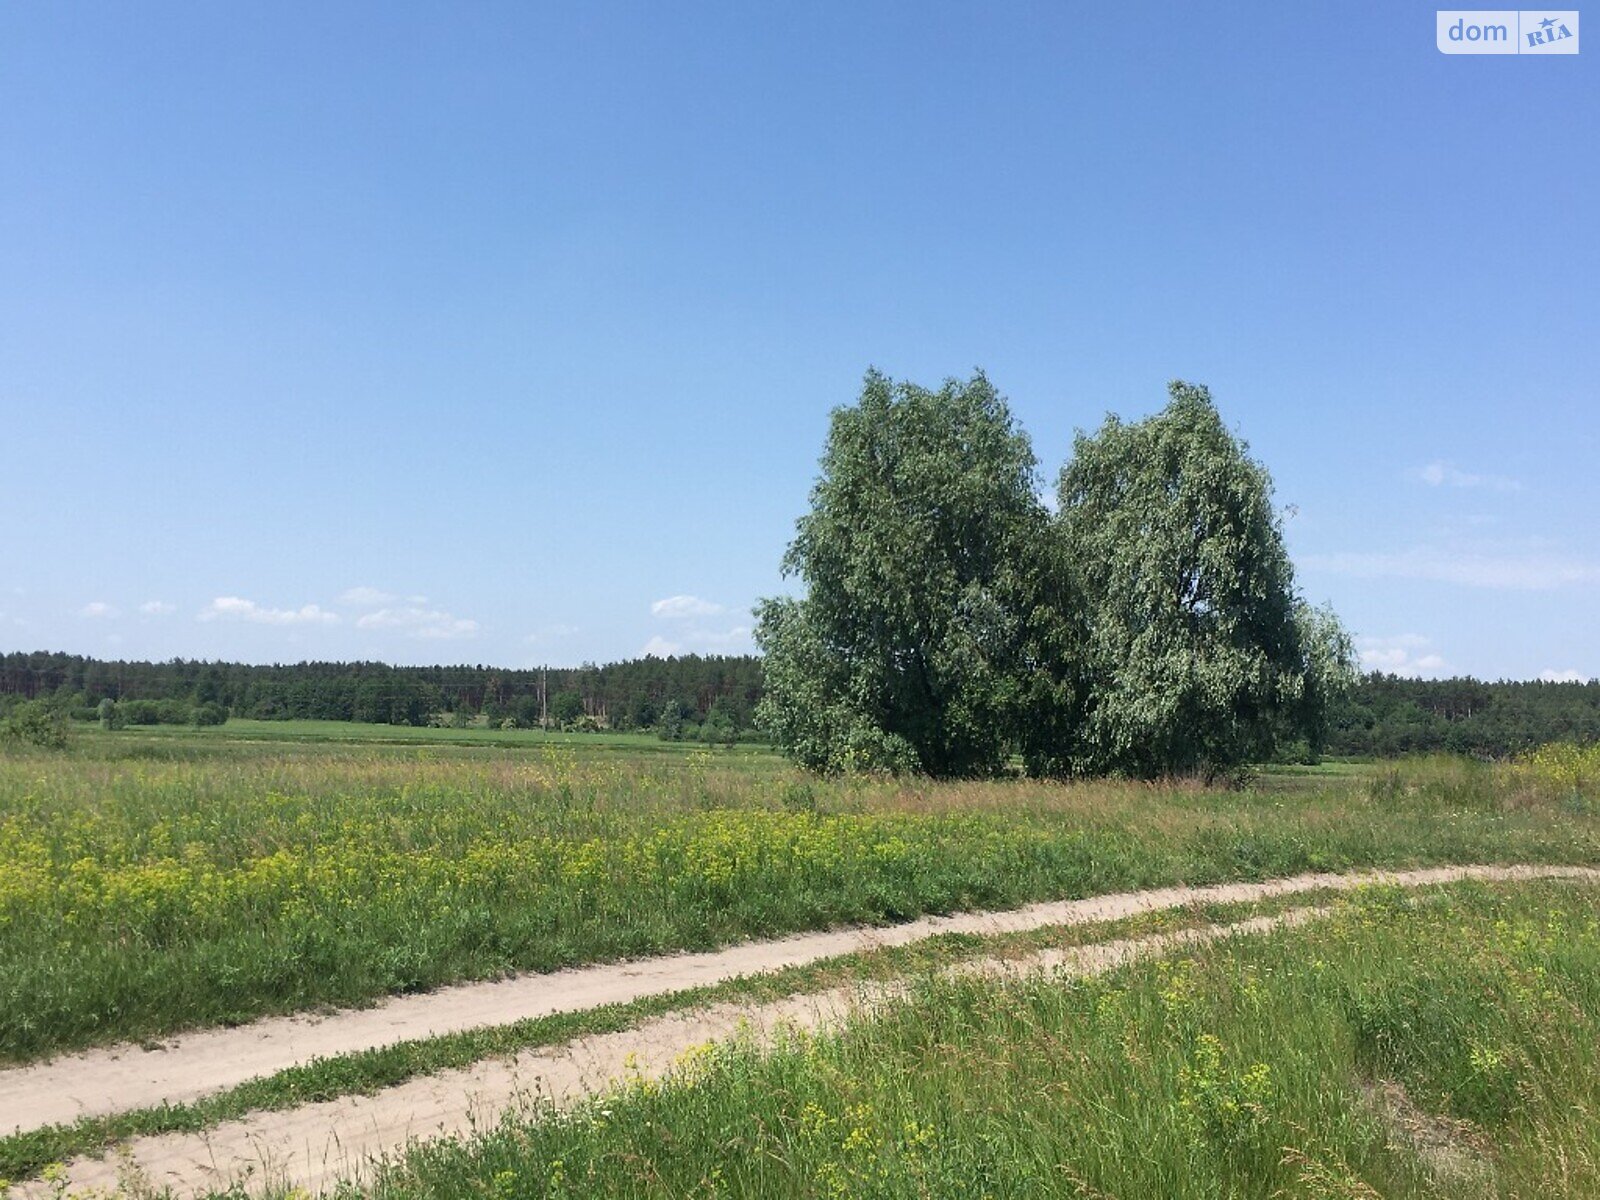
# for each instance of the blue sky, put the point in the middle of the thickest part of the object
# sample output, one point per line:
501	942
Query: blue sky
508	334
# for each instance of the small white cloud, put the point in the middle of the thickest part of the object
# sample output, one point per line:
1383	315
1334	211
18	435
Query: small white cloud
675	608
1441	474
1567	676
98	610
419	622
235	608
371	597
1516	572
702	641
1401	654
659	647
157	608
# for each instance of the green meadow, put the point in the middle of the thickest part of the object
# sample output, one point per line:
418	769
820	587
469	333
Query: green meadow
1443	1045
157	881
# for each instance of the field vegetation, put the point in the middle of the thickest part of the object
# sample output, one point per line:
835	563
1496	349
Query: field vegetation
1446	1045
154	882
24	1155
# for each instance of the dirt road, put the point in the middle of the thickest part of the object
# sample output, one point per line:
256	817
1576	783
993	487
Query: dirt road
313	1144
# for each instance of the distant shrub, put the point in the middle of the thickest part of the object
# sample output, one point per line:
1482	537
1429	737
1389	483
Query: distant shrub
670	723
209	713
109	715
34	723
155	712
138	712
1297	752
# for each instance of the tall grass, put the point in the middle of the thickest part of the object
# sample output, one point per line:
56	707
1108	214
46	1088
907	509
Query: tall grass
223	881
1443	1047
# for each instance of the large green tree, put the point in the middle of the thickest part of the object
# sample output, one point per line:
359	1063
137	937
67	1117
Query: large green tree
906	652
1198	654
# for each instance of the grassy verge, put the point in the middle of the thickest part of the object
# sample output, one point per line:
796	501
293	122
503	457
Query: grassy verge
142	897
1440	1047
141	739
25	1155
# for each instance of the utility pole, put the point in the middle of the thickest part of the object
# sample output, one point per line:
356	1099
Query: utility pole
544	697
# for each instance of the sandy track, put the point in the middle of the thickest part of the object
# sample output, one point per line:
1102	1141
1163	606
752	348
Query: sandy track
127	1076
314	1146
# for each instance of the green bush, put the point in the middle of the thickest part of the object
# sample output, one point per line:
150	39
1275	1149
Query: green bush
155	712
35	723
209	713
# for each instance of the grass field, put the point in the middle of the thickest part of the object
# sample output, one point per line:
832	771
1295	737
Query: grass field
24	1155
1441	1046
154	881
240	736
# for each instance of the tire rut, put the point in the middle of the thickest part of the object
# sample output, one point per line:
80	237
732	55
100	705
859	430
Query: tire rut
312	1145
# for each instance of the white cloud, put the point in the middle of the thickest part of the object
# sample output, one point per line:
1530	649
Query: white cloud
1401	654
675	608
98	610
420	622
157	608
367	597
1567	676
701	641
235	608
1441	474
1521	572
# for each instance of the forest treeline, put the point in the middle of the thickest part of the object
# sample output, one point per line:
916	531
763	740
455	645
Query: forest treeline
1383	715
1388	715
675	696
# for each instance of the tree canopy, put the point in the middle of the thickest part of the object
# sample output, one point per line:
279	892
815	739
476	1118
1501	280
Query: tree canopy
1150	626
1200	654
904	652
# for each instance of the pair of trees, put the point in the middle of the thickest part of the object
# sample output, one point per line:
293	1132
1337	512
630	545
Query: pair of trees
1150	625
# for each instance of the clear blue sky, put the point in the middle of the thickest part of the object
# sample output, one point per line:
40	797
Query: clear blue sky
441	333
